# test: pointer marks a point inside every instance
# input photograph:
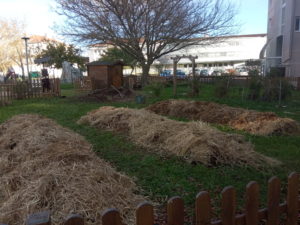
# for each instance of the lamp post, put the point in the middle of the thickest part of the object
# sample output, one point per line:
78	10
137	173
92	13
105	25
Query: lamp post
26	50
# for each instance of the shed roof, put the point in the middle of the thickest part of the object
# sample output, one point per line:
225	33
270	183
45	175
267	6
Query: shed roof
105	63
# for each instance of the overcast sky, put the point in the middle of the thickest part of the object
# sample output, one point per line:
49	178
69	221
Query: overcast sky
40	18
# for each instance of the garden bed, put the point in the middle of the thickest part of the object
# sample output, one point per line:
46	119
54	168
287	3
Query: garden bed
44	166
194	141
108	95
259	123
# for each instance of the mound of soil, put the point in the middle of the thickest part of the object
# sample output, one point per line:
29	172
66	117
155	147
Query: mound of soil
44	166
194	141
108	95
260	123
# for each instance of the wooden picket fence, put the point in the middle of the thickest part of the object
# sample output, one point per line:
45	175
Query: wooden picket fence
83	84
26	90
276	213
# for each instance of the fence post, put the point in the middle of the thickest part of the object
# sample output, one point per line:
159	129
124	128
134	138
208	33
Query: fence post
144	214
292	199
111	217
273	201
228	206
252	203
203	208
175	210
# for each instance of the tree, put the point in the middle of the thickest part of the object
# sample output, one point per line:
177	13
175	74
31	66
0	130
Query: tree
11	45
115	54
57	53
147	29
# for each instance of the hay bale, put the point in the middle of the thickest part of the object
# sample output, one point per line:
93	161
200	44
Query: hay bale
259	123
44	166
194	141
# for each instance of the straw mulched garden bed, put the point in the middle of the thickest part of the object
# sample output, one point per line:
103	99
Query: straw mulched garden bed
259	123
44	166
194	141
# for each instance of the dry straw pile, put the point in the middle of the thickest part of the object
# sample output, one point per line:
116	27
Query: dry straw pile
260	123
195	141
44	166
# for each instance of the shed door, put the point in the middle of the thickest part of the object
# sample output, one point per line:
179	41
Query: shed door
117	75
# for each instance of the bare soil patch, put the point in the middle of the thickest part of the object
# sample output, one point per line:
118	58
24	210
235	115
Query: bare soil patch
259	123
108	95
44	166
194	141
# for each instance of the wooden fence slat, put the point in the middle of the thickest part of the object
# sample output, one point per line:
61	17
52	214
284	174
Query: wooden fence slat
175	211
41	218
252	203
273	201
26	90
203	208
292	199
111	217
145	214
228	206
74	219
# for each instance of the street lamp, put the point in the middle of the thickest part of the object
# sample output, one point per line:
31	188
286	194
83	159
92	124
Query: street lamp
26	49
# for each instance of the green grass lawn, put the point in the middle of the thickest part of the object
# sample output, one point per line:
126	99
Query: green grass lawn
162	177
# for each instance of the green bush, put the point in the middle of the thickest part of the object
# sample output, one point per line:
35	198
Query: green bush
194	87
276	89
255	87
222	87
155	89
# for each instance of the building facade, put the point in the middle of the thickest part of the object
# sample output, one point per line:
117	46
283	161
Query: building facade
283	38
36	44
230	53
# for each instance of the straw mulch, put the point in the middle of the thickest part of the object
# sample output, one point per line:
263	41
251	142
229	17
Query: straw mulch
259	123
194	141
44	166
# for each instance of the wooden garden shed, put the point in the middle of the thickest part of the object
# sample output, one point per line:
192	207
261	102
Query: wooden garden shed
105	74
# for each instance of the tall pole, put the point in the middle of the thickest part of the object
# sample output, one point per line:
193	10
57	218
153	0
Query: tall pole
26	50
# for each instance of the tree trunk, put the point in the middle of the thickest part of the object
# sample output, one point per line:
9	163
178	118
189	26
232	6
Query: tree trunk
175	78
194	78
146	69
132	68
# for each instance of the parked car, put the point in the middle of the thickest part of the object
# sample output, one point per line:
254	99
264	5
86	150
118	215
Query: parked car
180	74
204	72
242	71
217	72
169	73
166	73
197	72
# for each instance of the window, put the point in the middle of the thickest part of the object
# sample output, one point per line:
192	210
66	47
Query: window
297	25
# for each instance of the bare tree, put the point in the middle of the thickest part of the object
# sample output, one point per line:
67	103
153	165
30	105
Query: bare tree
147	29
11	44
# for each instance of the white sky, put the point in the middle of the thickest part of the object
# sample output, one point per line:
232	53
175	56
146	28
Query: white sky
39	16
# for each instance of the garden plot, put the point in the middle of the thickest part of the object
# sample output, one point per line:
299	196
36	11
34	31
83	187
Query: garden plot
194	141
259	123
44	166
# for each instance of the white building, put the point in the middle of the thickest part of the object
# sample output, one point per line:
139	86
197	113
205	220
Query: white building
231	53
36	44
283	43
